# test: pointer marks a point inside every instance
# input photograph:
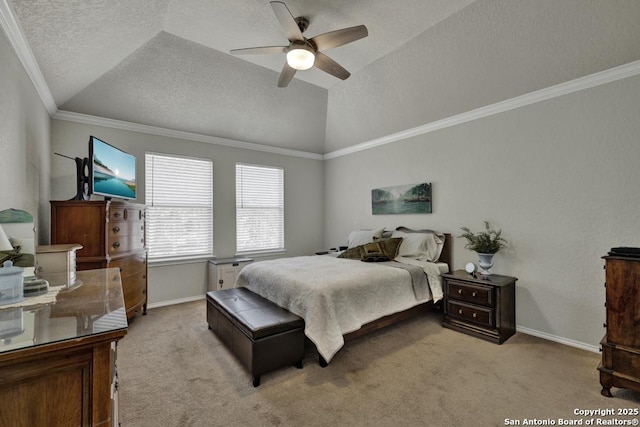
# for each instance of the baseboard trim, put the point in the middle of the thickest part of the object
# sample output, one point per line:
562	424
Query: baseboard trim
175	301
561	340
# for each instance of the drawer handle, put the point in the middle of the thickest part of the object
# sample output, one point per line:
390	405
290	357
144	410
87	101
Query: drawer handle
116	244
116	229
460	291
460	311
475	315
473	294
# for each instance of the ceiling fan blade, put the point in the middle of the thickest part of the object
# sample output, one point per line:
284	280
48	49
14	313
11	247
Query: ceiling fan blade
337	38
259	50
286	75
287	21
330	66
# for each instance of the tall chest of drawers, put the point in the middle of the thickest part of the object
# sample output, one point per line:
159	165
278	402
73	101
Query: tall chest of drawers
112	235
620	365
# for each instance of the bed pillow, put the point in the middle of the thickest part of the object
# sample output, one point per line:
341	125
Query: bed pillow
424	245
361	237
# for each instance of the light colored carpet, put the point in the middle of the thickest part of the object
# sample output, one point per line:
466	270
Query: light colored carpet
175	372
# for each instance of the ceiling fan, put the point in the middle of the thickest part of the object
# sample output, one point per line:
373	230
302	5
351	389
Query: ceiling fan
303	53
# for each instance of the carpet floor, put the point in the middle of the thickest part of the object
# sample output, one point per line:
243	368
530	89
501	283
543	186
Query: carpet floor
173	371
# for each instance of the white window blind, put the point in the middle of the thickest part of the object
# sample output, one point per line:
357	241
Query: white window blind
259	208
179	199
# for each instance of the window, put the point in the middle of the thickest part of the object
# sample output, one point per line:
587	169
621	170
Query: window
259	208
179	198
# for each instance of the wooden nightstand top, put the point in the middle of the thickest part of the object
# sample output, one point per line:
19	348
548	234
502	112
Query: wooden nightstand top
493	280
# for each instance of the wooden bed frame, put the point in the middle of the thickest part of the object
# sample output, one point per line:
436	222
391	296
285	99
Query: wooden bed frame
383	322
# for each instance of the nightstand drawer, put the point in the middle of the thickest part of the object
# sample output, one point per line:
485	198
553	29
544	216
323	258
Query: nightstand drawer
476	294
479	315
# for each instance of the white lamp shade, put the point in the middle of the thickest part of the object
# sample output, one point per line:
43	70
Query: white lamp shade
5	244
301	58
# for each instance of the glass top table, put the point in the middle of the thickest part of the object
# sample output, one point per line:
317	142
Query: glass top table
93	305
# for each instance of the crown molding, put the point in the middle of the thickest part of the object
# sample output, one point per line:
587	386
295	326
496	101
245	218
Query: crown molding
170	133
582	83
20	45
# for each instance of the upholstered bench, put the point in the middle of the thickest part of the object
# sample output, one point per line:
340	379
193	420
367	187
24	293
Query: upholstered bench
262	335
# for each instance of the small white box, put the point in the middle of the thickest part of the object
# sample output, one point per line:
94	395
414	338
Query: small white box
58	260
223	272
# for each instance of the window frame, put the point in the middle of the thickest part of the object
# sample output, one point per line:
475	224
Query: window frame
183	257
256	251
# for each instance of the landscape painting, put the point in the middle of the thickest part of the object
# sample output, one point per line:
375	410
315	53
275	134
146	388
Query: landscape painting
402	199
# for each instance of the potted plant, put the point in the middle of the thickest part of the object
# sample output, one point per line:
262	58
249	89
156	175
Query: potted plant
486	244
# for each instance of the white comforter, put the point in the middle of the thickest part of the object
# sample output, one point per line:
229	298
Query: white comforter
336	296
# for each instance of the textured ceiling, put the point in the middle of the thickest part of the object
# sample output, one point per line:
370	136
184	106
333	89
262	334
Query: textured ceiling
166	62
75	41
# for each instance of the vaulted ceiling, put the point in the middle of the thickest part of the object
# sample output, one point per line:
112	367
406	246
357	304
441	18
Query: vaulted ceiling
166	62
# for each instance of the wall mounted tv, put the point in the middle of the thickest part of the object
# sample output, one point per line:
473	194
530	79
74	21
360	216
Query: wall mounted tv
112	172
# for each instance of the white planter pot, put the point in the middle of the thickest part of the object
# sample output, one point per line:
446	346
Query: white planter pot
485	261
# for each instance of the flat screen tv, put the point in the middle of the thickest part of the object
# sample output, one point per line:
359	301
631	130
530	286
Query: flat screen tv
112	172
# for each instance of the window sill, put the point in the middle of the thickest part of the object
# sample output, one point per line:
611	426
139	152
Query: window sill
161	262
259	254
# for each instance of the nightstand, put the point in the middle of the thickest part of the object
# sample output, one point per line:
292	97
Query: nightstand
482	306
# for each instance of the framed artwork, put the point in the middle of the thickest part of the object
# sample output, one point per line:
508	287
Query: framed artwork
402	199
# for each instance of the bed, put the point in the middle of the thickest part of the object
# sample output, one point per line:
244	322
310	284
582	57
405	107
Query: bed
340	297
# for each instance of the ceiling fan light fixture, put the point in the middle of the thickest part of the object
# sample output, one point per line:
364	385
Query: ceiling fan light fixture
301	57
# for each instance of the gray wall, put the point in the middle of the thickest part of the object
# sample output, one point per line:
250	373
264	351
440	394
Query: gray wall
24	141
560	177
303	196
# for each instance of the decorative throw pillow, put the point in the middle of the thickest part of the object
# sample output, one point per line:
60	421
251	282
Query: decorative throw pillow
381	250
374	251
391	246
351	253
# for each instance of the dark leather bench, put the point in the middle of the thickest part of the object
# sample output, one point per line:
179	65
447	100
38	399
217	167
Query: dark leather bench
262	335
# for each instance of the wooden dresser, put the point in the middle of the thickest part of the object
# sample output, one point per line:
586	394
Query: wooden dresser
620	366
483	306
112	234
58	359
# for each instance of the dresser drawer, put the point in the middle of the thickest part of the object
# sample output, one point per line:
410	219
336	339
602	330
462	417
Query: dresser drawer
135	290
124	228
480	315
624	360
121	244
473	293
129	265
124	213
